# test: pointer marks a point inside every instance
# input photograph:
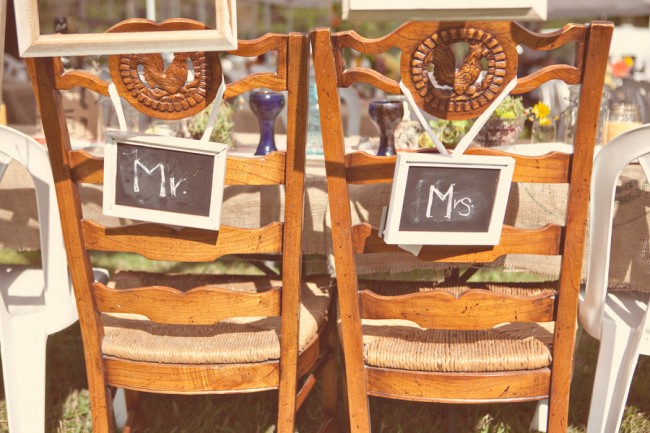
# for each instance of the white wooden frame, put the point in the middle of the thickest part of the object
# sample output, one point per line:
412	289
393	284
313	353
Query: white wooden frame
392	233
444	10
32	43
218	150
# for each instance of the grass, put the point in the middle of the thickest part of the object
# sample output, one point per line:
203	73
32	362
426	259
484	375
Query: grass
68	409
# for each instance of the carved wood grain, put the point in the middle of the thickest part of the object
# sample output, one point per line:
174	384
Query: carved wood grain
191	379
157	242
369	76
474	309
542	241
459	387
364	168
272	80
551	40
568	74
264	170
203	305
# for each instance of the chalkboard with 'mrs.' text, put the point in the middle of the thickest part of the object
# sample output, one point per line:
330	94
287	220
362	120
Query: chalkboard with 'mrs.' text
166	180
438	200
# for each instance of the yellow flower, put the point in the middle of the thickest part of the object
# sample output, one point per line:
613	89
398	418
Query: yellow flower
541	110
629	61
545	121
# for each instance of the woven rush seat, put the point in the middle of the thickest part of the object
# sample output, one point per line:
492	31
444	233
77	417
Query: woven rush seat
402	344
232	341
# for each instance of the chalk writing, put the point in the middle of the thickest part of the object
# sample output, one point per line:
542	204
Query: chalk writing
451	203
163	179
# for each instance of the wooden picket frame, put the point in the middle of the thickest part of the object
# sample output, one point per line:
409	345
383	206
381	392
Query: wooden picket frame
32	43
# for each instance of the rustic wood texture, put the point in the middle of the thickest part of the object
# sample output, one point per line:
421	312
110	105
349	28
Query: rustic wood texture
459	388
165	93
159	242
542	241
264	170
595	52
201	305
364	168
474	309
424	44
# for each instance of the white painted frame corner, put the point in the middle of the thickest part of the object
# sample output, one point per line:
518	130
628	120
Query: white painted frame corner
31	43
218	150
444	10
392	233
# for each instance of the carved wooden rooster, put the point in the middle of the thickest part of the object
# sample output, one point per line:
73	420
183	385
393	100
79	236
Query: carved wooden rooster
469	71
170	80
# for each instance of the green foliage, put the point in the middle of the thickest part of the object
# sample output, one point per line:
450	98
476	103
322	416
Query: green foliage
512	107
222	128
449	132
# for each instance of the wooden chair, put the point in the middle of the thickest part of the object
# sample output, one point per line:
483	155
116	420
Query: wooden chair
190	334
438	343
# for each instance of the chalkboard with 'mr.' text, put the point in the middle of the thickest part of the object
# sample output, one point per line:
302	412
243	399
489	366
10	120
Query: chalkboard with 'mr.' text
438	200
164	179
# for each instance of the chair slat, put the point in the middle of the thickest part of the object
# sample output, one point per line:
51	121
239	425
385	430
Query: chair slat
265	170
474	309
513	386
225	378
203	305
158	242
568	74
363	168
542	241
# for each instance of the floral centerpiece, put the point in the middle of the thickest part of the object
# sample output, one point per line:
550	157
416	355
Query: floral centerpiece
504	125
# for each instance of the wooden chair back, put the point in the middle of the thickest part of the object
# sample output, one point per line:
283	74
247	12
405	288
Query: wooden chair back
455	93
173	93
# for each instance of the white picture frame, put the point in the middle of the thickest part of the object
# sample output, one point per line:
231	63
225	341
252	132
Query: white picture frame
452	228
444	10
32	43
113	205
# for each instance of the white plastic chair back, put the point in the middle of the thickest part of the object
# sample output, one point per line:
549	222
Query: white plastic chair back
619	319
608	165
59	298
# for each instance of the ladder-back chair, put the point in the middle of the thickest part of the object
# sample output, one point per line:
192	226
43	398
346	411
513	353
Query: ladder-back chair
192	334
437	343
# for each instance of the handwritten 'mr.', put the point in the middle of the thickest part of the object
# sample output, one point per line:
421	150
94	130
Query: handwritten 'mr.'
173	185
448	197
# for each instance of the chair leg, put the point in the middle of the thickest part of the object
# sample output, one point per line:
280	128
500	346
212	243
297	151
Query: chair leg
617	358
23	349
540	419
329	377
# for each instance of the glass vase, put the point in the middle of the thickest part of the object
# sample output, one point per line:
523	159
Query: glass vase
266	105
387	115
543	132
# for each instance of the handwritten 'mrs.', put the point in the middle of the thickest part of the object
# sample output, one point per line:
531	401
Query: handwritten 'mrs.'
448	197
173	185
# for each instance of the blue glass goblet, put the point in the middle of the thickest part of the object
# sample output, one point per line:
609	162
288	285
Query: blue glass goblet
266	105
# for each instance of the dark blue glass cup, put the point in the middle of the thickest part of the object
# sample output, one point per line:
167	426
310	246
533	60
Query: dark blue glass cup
266	105
387	115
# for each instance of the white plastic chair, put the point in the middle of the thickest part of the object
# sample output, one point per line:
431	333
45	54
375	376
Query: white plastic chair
34	302
618	319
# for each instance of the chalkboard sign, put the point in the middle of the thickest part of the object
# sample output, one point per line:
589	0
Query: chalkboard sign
166	180
438	200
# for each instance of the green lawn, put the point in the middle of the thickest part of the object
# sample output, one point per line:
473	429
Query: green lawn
68	408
